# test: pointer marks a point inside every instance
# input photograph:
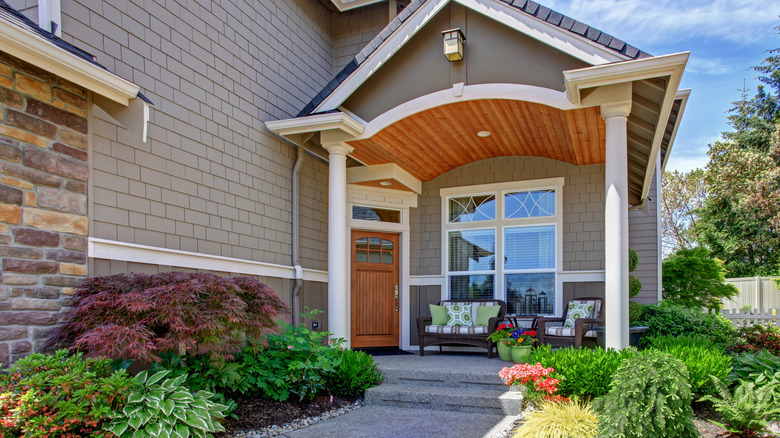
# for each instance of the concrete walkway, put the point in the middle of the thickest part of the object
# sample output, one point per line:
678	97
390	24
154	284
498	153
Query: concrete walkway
399	422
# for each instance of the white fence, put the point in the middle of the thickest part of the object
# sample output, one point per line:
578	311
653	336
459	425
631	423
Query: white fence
746	318
755	293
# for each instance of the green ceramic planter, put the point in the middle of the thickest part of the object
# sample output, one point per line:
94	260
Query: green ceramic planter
521	353
504	351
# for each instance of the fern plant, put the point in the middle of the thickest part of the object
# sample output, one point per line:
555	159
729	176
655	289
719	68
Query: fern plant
560	420
167	408
748	411
649	397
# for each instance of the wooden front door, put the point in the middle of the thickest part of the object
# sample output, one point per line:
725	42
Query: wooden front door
375	302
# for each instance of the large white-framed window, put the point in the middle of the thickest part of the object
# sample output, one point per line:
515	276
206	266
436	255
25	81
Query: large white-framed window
504	241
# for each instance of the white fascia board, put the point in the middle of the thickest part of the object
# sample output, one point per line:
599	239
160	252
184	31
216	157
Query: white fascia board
36	50
682	95
628	71
384	171
345	5
561	39
132	252
319	122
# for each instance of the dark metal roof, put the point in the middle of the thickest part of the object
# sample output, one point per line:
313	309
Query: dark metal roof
529	7
16	18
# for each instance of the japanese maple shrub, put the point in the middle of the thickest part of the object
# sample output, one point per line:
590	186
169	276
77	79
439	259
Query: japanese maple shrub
139	316
61	396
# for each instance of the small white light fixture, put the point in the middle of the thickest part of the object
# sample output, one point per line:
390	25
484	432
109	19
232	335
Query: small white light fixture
483	134
385	183
453	44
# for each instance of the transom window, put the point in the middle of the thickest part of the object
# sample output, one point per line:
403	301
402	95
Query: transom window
504	243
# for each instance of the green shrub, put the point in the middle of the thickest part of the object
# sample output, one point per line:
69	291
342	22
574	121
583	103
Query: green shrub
167	408
692	279
649	397
756	338
748	366
668	319
749	409
356	373
559	420
48	396
701	356
295	362
583	372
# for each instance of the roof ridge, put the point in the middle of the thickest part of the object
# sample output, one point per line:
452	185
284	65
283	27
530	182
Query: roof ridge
527	6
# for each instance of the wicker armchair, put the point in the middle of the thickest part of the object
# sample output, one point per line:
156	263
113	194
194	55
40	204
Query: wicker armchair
551	330
475	336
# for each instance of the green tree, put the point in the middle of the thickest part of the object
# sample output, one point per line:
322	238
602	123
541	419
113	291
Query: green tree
692	279
684	193
740	219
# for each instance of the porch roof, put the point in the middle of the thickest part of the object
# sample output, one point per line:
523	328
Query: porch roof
434	133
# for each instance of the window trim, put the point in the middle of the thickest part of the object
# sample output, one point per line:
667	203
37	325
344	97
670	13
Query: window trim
499	225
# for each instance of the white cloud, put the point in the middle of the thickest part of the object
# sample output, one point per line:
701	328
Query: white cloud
686	164
747	21
711	66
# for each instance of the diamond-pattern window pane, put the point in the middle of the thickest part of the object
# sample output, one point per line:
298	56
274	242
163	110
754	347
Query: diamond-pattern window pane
534	203
472	250
472	208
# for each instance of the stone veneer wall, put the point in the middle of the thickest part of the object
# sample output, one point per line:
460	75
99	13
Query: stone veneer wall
43	202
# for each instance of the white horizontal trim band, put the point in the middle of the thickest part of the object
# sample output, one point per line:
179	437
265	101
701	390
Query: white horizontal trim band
133	252
564	276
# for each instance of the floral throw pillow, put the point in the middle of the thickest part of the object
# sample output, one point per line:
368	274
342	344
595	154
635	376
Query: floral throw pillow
459	315
576	311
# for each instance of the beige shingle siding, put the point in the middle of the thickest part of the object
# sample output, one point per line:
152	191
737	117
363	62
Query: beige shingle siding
210	179
354	29
643	238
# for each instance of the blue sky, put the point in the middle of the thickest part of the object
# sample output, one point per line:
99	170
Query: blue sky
725	39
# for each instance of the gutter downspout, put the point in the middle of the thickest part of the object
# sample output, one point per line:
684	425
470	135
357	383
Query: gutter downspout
296	234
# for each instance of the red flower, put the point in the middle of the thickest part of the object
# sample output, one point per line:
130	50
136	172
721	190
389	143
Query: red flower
530	333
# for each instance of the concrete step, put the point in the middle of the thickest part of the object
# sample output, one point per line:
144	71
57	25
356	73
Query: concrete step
444	378
487	401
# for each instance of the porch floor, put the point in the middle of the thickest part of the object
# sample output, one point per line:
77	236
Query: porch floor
476	363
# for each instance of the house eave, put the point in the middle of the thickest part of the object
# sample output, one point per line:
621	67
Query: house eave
682	95
35	50
338	121
346	5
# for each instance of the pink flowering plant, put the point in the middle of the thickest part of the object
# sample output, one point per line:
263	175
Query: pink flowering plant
534	378
520	336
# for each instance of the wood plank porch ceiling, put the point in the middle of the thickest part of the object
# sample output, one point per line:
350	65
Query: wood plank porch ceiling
435	141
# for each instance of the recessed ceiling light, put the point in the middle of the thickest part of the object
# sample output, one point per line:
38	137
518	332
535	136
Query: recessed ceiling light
483	134
385	183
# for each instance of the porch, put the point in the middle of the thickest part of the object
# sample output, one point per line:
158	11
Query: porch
462	180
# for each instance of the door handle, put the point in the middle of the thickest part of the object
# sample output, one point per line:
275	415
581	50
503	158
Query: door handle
396	298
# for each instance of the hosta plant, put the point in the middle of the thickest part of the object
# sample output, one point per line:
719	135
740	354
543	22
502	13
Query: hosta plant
748	366
749	409
164	407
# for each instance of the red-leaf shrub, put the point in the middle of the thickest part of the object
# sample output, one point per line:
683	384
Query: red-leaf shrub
756	338
138	316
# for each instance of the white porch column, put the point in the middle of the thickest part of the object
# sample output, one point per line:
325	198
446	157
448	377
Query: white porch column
338	312
616	225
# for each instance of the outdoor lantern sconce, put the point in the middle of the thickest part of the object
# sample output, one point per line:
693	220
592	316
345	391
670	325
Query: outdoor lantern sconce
453	44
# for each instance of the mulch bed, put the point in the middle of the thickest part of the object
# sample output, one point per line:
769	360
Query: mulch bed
255	414
703	413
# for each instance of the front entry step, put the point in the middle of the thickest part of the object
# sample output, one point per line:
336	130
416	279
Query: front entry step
424	384
446	399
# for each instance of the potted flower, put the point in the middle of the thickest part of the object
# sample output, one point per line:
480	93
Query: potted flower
520	340
502	332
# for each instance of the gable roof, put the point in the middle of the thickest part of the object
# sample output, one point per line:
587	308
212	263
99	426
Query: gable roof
526	6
